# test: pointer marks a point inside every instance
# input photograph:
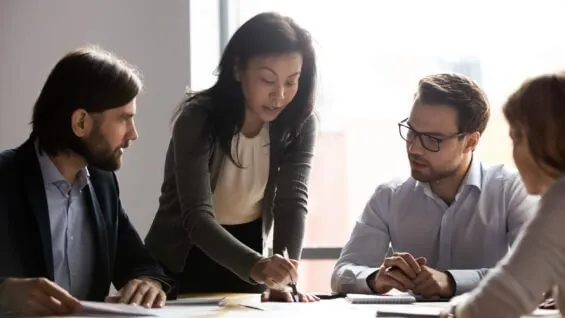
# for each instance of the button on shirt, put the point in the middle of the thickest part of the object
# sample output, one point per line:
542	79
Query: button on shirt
465	238
71	232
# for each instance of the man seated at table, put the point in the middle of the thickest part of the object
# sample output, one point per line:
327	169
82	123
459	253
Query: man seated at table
453	219
64	235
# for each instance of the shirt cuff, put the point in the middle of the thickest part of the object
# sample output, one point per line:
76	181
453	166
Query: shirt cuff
465	280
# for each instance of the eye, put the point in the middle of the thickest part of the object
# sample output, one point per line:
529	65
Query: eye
264	80
290	84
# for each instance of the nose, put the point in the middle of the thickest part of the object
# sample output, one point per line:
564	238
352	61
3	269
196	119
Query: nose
133	132
277	95
414	146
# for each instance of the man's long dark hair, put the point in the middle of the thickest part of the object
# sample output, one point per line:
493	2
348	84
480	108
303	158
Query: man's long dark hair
263	35
86	78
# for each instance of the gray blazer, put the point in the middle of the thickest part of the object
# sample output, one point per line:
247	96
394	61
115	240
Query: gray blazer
185	216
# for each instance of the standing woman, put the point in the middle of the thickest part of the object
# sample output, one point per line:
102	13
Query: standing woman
536	115
238	162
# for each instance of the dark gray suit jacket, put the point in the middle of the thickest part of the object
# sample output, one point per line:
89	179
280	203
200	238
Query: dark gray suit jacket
25	234
185	217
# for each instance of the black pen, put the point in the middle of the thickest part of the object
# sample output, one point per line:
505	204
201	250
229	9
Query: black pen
292	284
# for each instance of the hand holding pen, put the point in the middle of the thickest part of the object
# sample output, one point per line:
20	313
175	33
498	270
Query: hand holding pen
292	283
275	271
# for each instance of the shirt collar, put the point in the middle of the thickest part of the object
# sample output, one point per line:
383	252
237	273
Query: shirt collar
52	175
473	178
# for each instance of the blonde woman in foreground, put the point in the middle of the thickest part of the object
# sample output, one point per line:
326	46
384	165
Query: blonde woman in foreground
536	115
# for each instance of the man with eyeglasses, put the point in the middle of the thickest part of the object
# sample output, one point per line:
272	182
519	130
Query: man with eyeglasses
437	233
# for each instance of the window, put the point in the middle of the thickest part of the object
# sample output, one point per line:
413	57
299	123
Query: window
371	55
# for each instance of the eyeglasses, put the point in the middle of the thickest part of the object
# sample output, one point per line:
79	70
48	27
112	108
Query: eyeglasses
429	142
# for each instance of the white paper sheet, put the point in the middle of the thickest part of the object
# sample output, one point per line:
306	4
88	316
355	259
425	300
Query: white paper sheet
101	309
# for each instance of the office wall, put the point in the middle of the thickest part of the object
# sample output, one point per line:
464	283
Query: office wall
153	35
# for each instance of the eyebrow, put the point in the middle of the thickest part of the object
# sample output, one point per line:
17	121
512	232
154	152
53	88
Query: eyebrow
127	115
272	71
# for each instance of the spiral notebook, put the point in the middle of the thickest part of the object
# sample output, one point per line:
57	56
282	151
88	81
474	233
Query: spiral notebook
381	299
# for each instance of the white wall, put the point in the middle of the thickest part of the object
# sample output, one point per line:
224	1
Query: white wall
153	35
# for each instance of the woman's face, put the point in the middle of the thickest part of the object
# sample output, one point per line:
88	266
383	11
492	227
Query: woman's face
535	179
269	84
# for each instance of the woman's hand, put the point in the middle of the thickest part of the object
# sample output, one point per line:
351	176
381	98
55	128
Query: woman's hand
286	296
454	306
276	271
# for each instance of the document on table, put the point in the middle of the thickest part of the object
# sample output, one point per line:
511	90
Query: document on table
423	311
102	309
192	301
184	308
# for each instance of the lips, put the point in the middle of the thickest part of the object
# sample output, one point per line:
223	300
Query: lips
271	108
417	163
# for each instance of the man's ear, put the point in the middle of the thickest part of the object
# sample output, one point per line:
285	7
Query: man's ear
472	141
81	122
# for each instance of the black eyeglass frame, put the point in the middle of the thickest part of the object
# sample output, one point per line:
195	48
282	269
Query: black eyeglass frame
417	134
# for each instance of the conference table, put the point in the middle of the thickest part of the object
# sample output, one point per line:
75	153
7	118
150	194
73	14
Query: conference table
250	305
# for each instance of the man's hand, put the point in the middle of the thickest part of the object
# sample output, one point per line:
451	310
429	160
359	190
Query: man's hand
142	291
431	282
35	297
286	296
397	272
275	271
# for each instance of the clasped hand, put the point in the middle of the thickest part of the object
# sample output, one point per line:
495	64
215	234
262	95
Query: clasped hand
404	272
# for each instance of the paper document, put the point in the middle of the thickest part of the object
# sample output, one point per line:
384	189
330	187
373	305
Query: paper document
100	309
408	311
196	301
423	311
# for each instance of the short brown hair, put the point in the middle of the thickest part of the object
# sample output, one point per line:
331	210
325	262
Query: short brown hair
460	93
537	112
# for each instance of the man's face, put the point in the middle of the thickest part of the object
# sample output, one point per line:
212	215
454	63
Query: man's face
436	125
112	132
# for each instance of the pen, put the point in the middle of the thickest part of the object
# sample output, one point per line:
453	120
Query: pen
292	284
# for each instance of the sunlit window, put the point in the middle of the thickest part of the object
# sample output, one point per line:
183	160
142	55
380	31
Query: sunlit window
371	55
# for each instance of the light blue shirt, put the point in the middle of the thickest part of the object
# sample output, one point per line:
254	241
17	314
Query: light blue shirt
71	231
465	238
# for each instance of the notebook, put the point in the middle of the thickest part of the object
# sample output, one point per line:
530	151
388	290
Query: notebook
381	299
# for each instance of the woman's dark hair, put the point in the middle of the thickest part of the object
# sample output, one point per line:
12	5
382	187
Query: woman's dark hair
86	78
536	111
263	35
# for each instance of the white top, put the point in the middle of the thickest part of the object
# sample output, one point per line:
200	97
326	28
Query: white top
534	265
465	238
239	192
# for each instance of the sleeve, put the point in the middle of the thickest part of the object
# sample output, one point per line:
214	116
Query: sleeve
367	247
291	199
192	174
535	263
467	279
132	258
